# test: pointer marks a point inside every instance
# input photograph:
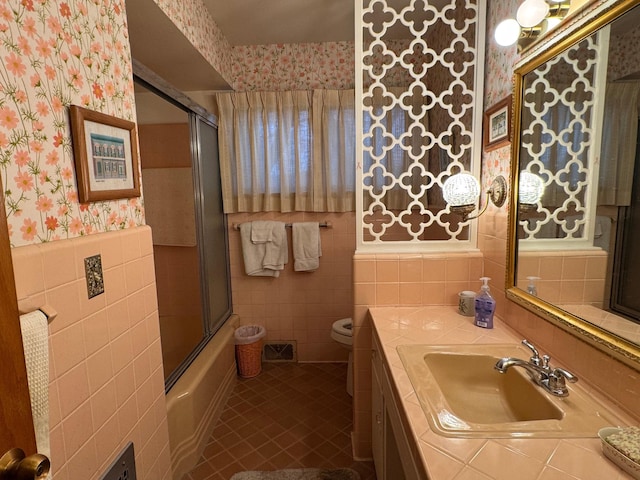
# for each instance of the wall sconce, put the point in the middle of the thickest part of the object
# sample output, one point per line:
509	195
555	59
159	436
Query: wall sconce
461	191
533	18
530	191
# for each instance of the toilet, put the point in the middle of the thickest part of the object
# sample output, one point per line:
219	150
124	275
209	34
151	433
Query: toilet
342	332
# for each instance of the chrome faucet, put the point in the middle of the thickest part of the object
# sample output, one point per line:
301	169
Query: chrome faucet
551	379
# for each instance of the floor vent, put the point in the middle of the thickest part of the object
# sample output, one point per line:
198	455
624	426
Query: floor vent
279	352
124	467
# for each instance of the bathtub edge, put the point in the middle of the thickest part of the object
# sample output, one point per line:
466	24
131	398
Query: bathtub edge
196	401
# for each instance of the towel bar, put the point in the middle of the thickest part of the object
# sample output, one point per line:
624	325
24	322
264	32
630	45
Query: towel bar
236	226
48	311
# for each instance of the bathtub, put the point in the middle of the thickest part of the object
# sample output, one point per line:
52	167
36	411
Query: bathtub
197	399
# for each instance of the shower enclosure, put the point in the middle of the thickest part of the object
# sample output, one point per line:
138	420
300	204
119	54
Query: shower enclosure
183	206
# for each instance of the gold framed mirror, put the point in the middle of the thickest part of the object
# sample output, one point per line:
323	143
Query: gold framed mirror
572	242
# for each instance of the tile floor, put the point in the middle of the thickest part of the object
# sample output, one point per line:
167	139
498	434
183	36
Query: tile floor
289	416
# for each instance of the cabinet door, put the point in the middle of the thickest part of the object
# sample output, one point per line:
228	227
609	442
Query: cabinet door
16	422
377	419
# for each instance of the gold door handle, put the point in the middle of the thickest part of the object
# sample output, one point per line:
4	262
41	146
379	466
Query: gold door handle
15	465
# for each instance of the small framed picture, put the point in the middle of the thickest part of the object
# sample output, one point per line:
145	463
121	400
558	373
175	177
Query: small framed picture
497	125
106	155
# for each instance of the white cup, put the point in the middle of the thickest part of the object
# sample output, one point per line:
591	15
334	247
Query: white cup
467	303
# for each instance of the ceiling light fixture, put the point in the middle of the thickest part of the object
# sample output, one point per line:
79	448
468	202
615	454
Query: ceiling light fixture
533	18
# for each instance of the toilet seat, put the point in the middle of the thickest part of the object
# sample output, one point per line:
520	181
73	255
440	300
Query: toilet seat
341	331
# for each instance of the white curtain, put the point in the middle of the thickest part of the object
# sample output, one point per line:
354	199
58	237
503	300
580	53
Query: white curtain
619	138
334	150
287	151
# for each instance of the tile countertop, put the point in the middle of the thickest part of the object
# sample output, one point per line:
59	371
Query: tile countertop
480	458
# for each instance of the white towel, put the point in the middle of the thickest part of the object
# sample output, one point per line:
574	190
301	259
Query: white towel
261	231
306	246
35	339
265	258
253	254
276	249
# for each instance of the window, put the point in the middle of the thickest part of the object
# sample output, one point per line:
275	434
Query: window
288	151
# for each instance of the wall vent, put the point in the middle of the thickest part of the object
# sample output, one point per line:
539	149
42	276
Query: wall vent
124	467
279	351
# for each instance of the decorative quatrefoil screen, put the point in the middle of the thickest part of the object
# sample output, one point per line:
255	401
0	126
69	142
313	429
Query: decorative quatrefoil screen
421	123
561	124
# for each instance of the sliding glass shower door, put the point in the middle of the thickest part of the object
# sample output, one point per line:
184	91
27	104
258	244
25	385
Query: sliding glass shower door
183	207
213	224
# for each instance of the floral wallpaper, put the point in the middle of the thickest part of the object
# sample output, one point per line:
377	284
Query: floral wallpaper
303	66
54	54
498	84
624	54
330	65
499	61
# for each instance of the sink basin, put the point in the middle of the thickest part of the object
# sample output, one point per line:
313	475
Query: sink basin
477	393
462	395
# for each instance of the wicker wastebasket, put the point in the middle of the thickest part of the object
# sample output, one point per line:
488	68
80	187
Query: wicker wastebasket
249	350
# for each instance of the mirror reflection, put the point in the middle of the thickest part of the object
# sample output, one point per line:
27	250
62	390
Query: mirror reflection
578	220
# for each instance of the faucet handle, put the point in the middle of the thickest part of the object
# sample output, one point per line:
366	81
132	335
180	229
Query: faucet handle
563	375
545	362
557	381
535	358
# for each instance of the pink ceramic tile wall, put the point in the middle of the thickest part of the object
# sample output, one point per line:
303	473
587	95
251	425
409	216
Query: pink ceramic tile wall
106	381
492	242
299	306
566	277
399	280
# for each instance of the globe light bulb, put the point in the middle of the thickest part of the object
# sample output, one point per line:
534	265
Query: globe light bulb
507	32
532	12
530	188
461	189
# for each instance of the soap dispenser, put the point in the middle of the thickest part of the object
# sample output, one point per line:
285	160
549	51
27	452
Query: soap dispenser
532	289
485	306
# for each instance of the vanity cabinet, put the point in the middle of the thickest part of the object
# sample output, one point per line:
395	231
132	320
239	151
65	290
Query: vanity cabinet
377	415
392	452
